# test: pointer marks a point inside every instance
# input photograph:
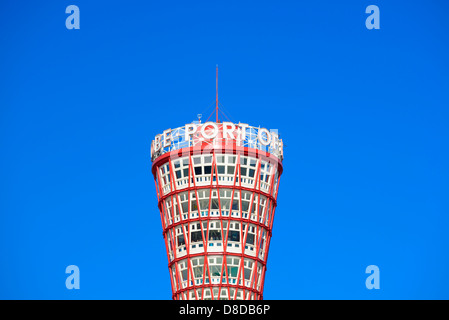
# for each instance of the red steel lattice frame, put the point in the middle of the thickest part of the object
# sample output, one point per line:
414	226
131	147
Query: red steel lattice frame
255	288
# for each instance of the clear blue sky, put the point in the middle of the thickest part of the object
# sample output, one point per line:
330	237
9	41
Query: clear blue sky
363	113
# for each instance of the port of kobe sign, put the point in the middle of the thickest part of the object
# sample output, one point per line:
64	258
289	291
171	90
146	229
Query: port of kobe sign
226	134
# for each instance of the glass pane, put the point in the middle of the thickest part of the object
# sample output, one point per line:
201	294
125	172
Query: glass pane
232	271
225	204
198	272
215	270
250	238
245	205
247	273
208	159
204	204
252	163
214	235
196	236
214	204
181	241
234	235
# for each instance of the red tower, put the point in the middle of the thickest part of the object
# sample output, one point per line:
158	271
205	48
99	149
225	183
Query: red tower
217	186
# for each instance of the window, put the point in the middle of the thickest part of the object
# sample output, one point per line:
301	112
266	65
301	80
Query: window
204	204
234	235
262	209
235	205
214	235
265	173
195	233
247	169
181	241
183	268
215	231
180	237
168	209
181	168
208	159
215	265
204	198
198	269
233	268
173	271
184	275
247	273
250	238
165	176
246	196
196	237
183	197
215	270
214	204
254	207
251	235
234	232
248	265
225	204
185	206
193	205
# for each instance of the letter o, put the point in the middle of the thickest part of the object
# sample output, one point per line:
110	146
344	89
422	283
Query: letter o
214	132
261	140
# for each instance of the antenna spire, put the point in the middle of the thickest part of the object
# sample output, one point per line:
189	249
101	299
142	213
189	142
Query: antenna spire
216	93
